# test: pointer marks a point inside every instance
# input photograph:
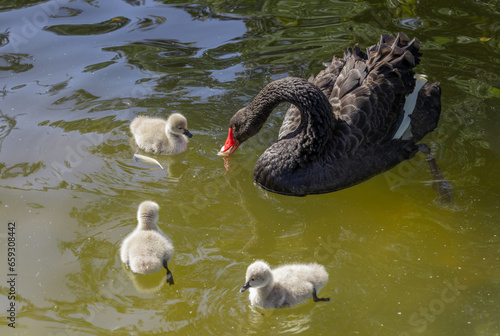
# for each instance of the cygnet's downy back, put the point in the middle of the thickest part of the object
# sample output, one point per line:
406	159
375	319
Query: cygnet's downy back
147	249
284	286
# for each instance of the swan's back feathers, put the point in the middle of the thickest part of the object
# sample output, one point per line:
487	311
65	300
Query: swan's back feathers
326	78
370	91
353	73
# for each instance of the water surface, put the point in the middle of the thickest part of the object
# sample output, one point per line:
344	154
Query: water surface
75	73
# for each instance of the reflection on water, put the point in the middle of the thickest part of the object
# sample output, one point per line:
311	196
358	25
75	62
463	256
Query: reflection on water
90	29
7	124
75	73
150	283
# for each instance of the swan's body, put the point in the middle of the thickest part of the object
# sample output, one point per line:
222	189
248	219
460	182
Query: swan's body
284	286
161	136
344	126
147	249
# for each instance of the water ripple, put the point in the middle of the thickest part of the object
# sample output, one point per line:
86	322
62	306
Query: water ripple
89	29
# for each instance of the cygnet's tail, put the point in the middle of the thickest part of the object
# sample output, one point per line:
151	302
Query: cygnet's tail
318	276
145	265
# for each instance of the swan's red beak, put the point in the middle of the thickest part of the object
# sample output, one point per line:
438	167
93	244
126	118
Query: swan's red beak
230	146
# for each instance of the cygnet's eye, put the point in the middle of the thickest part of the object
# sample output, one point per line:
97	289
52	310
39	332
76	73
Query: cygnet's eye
252	279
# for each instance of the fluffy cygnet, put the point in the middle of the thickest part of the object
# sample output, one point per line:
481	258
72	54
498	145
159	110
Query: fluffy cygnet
161	136
284	286
147	249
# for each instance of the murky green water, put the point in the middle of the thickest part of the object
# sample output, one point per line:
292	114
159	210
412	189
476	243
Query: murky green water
75	73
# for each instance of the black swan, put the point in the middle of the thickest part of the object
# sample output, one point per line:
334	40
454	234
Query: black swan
361	116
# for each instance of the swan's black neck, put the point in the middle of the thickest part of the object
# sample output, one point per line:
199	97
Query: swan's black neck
312	103
316	112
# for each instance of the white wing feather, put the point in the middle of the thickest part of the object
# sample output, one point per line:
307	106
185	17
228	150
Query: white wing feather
404	130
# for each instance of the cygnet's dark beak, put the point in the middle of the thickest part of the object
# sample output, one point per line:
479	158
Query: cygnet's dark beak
187	133
245	287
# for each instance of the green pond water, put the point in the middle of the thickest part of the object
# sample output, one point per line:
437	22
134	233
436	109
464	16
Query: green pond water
73	74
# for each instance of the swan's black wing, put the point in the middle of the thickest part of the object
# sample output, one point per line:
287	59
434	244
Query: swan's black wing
370	91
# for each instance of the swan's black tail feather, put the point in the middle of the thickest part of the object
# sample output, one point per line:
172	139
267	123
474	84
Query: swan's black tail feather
401	53
425	117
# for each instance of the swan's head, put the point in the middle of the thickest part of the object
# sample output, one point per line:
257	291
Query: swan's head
242	126
258	275
177	124
147	216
